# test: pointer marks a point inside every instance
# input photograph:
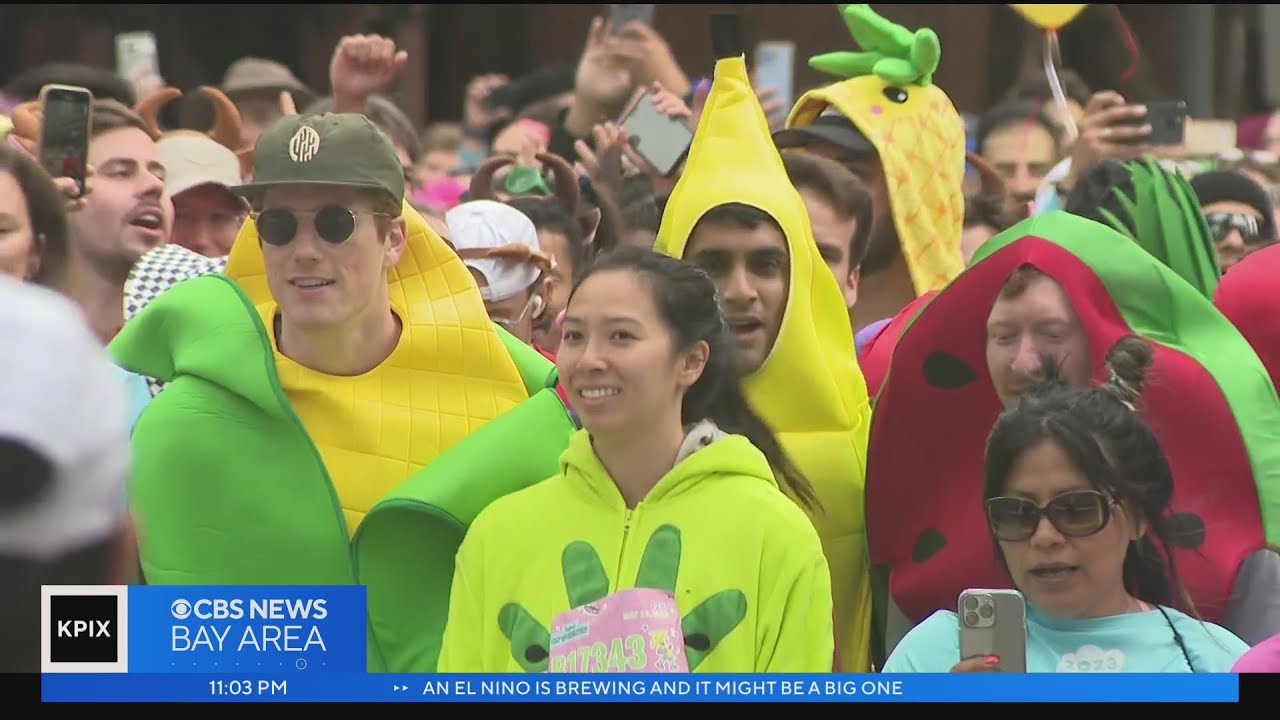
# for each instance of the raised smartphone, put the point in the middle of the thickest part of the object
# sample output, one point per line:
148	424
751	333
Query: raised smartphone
994	622
64	135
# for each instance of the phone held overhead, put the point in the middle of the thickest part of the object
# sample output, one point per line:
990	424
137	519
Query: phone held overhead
66	112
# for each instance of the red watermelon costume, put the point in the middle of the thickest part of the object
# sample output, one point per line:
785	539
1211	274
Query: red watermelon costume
1208	399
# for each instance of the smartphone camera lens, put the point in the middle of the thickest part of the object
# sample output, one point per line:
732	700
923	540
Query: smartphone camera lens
971	603
971	619
986	611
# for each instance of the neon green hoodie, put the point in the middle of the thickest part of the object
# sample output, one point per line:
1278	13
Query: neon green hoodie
742	559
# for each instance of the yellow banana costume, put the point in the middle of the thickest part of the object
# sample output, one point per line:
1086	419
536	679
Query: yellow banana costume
809	389
890	97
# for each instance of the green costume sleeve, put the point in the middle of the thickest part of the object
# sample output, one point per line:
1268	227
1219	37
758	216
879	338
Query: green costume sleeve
536	371
414	534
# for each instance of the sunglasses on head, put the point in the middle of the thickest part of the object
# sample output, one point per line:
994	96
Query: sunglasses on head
334	224
1075	514
1221	224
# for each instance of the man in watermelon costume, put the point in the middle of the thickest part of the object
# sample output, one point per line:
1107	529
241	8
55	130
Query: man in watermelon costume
893	127
1208	400
256	468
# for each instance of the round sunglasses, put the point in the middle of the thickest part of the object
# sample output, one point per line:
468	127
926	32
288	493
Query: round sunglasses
333	224
1075	514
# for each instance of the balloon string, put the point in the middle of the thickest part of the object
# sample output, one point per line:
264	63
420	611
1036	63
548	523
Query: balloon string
1055	84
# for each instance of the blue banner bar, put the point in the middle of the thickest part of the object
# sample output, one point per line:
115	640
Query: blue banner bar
352	687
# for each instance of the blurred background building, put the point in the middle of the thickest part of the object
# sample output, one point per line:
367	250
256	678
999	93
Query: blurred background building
1213	56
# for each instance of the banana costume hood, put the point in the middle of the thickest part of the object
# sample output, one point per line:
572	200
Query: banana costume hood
809	389
250	469
890	97
1208	399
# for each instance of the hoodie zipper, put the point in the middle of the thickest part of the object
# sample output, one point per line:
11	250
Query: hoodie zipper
627	519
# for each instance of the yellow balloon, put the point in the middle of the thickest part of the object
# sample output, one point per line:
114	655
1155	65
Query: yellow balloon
1049	17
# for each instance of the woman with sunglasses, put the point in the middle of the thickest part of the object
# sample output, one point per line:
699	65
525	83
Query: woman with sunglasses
1077	494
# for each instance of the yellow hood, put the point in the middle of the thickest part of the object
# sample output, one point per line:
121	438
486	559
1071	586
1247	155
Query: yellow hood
733	160
809	390
431	289
921	142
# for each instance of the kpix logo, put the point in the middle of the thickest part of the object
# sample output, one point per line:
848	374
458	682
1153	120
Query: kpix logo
84	628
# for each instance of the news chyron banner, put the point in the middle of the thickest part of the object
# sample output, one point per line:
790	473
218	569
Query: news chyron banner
182	629
308	644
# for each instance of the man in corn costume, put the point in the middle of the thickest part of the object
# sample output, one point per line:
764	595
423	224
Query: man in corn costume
251	468
900	133
808	388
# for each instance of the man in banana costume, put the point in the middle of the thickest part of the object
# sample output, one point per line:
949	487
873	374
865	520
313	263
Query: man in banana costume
900	133
735	213
343	350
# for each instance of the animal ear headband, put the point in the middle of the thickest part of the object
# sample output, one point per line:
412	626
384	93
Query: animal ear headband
567	193
226	130
28	119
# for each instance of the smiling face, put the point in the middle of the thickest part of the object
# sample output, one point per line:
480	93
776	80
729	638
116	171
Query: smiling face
1069	577
321	284
1031	318
752	273
618	360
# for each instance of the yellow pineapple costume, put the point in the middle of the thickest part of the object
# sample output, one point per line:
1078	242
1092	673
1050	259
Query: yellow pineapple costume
889	96
809	389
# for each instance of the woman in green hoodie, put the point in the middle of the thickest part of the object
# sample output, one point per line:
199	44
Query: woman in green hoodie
666	501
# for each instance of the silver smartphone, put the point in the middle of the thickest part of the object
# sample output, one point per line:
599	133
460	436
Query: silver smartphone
775	68
994	622
137	55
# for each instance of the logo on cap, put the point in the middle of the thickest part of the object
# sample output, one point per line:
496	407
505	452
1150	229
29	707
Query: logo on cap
304	145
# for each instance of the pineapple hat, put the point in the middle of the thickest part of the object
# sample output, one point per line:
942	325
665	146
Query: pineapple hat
889	96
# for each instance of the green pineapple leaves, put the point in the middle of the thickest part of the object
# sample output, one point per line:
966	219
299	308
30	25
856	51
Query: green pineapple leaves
889	51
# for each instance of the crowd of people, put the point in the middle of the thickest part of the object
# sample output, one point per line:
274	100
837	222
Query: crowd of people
837	367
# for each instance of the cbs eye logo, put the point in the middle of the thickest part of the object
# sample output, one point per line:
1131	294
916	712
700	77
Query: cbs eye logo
181	609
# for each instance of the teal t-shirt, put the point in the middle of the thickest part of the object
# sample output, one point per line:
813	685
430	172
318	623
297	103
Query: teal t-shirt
136	390
1131	643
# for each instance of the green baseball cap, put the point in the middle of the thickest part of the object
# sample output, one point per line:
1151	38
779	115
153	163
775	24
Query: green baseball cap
333	149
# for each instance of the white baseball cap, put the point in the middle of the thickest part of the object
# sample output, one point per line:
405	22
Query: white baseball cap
500	243
191	160
61	399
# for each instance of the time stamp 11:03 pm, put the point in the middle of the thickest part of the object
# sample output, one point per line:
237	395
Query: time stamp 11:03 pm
273	688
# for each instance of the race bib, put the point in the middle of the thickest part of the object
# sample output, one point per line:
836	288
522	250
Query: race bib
632	631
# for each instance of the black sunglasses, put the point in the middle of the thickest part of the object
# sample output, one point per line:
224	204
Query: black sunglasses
1221	225
334	224
1075	514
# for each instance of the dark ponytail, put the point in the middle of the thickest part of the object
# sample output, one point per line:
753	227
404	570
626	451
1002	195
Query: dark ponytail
1103	431
688	305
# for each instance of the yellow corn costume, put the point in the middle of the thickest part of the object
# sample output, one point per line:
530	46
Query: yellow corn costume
890	97
809	389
